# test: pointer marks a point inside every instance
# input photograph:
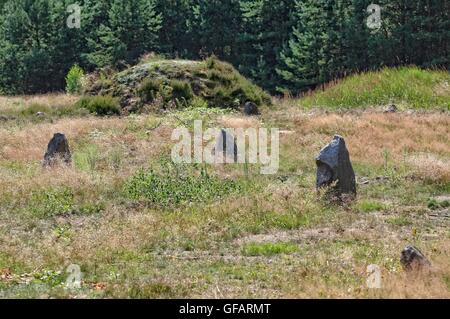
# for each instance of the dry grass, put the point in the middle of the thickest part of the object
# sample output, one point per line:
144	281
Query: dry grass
430	168
134	249
369	134
21	102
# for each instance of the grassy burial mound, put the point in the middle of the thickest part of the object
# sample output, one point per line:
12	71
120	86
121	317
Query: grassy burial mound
407	88
168	84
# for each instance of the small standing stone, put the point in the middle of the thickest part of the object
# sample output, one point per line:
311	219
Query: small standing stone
334	166
250	109
413	259
57	151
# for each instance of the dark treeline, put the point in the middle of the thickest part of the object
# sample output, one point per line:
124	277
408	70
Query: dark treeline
283	45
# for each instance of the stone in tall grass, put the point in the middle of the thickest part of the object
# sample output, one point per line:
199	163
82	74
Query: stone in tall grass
412	259
58	151
335	170
251	109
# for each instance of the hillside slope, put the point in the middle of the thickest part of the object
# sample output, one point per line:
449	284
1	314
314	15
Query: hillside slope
407	87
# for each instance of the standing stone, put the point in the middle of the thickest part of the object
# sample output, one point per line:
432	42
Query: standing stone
57	151
226	149
250	109
334	166
413	259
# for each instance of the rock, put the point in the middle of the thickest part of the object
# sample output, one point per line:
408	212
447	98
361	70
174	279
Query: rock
3	118
58	151
250	109
40	114
413	259
335	168
226	147
391	109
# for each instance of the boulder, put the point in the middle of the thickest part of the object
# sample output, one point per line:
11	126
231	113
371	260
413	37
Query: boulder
58	151
226	149
335	169
251	109
413	259
391	109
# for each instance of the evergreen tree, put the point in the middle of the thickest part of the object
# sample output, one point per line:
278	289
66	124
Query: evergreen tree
219	26
293	45
131	28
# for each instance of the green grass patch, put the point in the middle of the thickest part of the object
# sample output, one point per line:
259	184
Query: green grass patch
177	185
269	249
407	87
367	206
399	221
53	202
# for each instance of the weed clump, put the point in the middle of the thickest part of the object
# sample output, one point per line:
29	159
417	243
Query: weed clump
177	186
100	105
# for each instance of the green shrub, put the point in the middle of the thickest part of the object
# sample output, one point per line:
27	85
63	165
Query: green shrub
177	91
177	186
74	80
100	105
51	202
181	92
149	90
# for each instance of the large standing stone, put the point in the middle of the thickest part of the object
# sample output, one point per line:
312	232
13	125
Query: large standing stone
226	149
334	166
57	151
413	259
250	109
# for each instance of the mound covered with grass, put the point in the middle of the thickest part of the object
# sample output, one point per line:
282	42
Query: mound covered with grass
406	87
166	84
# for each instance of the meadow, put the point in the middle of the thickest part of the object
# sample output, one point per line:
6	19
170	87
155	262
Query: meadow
140	226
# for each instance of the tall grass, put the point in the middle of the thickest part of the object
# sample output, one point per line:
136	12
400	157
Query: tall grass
407	87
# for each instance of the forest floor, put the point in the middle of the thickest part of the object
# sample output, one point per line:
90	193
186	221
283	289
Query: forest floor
270	237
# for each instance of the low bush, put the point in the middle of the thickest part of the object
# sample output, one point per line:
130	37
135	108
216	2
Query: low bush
100	105
74	80
177	92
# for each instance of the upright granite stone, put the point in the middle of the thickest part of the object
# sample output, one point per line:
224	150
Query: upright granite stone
335	168
226	150
413	259
58	151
